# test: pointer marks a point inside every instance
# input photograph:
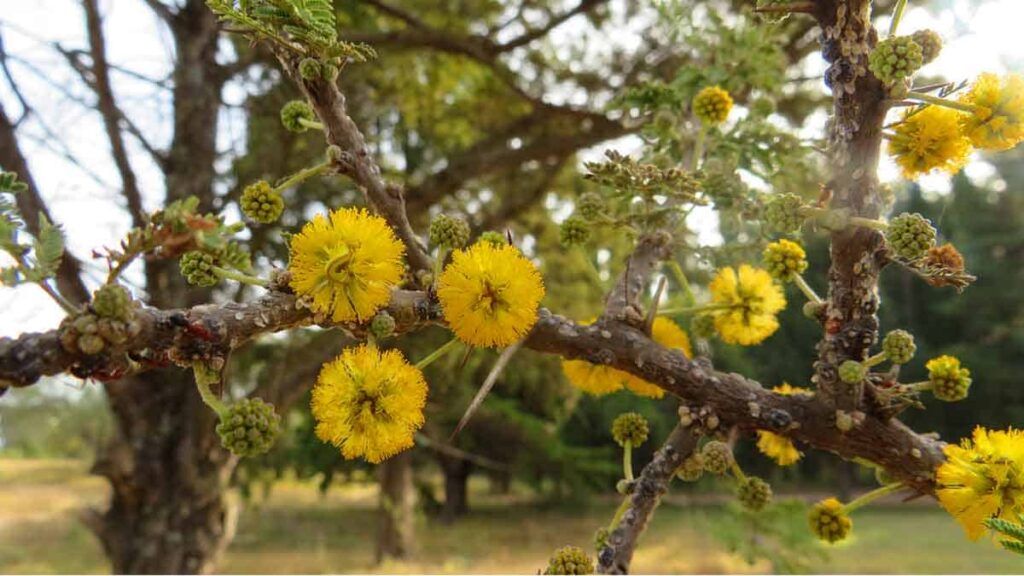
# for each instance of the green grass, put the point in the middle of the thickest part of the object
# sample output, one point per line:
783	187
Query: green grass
298	531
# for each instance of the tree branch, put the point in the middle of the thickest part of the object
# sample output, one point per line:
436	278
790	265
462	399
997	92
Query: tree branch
555	21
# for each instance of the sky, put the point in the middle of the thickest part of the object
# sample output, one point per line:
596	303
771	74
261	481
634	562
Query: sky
84	195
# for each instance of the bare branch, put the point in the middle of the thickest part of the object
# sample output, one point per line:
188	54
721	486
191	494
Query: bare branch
160	9
556	21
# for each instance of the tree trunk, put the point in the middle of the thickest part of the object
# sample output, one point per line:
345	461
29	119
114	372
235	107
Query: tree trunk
397	535
456	478
168	473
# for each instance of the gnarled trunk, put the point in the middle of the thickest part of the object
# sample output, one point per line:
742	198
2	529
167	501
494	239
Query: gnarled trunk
397	535
456	480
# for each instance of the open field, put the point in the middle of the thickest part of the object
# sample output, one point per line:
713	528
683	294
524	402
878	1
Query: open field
296	530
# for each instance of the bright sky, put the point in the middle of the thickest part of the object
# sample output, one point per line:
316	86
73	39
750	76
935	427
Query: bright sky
85	199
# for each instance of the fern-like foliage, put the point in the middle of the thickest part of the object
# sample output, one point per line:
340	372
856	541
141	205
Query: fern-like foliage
1014	532
35	262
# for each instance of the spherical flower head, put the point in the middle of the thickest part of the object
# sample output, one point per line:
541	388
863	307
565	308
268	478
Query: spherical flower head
346	264
712	105
449	231
369	403
784	259
294	112
570	560
717	457
898	346
590	206
692	469
782	214
895	58
778	448
852	372
829	522
983	478
575	230
910	236
750	300
197	268
998	121
492	237
490	294
949	382
249	428
931	139
754	493
383	325
930	43
630	428
670	335
113	301
261	203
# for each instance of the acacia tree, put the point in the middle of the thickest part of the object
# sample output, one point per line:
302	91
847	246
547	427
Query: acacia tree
370	274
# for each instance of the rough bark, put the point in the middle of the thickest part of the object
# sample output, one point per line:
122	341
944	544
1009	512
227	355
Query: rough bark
397	531
456	485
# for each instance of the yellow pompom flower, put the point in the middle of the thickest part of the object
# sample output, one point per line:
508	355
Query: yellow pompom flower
998	120
931	139
346	264
599	379
983	478
490	294
369	403
747	302
712	105
776	446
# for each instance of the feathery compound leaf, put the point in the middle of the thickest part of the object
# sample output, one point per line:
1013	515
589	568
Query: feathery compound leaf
318	17
1013	546
1007	528
49	249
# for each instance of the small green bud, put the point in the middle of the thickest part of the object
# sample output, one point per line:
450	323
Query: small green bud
717	457
197	268
852	372
898	346
570	560
784	259
90	344
910	236
113	301
310	69
712	105
495	238
930	43
334	153
249	428
782	214
449	231
692	469
261	202
950	382
754	493
574	231
600	538
590	206
829	521
630	427
382	326
895	59
293	112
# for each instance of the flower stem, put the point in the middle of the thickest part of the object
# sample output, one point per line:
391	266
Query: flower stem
225	274
301	176
871	496
619	512
737	471
918	386
442	253
694	309
627	461
311	124
928	98
874	360
897	15
205	376
698	148
684	284
439	353
869	223
806	289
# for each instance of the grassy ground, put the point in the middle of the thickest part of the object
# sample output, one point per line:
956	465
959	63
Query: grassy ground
298	531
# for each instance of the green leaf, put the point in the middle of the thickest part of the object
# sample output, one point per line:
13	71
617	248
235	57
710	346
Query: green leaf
49	249
1013	546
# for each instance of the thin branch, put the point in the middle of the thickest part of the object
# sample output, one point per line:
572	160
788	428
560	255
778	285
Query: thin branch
556	21
161	10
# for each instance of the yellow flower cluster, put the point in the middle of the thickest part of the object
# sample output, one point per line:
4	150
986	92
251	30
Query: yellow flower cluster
369	403
746	302
775	446
346	264
490	294
930	139
998	121
983	478
712	105
599	379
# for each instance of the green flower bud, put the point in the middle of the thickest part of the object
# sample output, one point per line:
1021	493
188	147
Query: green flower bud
570	560
717	457
114	302
784	259
90	344
692	468
262	203
754	493
197	268
630	427
910	236
852	372
600	538
782	214
949	382
382	326
590	206
449	231
898	346
574	231
895	59
495	238
930	43
249	428
712	105
293	112
310	69
829	522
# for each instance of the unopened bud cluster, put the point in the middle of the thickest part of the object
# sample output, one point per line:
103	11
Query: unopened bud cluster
895	59
712	105
949	381
910	236
898	346
449	231
784	259
110	323
262	203
570	560
294	112
717	457
198	268
782	214
829	521
575	230
754	493
249	428
630	428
